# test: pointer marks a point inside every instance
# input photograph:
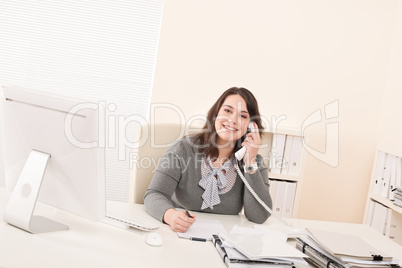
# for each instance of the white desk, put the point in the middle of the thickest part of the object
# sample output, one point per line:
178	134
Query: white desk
94	244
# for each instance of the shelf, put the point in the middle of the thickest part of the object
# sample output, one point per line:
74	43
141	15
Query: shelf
389	149
267	139
386	202
284	177
387	218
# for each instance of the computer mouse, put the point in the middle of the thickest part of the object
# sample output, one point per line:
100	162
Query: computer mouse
154	239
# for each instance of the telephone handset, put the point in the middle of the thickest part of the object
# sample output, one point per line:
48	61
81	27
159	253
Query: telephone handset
239	156
240	153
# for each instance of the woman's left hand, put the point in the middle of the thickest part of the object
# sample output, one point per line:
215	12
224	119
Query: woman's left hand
252	143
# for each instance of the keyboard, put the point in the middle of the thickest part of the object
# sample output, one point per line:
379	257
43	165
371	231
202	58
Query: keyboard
126	222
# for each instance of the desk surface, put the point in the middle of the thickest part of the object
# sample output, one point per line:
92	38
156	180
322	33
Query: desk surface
95	244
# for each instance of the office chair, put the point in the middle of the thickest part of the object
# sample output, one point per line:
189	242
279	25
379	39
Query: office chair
154	140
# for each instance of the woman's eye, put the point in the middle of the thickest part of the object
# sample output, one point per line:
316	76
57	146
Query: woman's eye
227	110
244	116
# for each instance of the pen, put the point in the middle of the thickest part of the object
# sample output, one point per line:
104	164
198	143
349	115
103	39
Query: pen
188	214
198	239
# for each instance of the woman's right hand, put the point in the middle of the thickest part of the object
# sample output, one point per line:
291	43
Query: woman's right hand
178	220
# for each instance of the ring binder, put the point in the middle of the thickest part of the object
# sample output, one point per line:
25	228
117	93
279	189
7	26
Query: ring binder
304	248
377	257
348	251
329	263
238	260
316	258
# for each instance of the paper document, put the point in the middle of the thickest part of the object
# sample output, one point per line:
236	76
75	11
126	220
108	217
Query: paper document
233	258
202	228
345	245
233	253
257	247
258	231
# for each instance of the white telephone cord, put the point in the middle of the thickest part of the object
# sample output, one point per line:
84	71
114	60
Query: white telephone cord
262	203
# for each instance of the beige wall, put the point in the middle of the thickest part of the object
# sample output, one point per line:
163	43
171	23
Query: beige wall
390	128
296	57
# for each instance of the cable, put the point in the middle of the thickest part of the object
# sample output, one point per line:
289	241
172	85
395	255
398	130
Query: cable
262	203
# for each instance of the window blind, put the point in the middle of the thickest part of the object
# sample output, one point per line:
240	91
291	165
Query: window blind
93	50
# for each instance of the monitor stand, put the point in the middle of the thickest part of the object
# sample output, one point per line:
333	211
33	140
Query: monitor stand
20	208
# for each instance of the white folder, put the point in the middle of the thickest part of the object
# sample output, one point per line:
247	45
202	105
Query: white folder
287	154
375	219
272	189
370	211
379	171
379	218
383	218
398	178
388	221
289	200
265	246
395	230
278	146
392	179
387	176
279	197
295	156
346	246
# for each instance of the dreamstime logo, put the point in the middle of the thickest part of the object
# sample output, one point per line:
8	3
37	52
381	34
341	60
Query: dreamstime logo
331	154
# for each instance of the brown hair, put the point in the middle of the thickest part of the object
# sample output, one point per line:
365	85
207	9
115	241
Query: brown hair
208	135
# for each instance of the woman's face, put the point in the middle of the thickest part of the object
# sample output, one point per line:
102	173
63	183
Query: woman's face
232	120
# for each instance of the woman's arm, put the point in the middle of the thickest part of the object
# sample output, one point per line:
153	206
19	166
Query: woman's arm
259	183
158	197
258	180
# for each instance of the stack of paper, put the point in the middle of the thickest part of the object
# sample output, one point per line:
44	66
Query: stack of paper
248	250
203	229
329	249
398	196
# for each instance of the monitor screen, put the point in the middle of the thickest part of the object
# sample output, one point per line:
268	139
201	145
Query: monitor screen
57	138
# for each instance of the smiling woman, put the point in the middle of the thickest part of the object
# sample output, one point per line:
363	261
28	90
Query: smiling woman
201	174
227	122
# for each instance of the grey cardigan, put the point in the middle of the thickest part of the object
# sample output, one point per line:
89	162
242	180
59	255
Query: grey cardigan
175	184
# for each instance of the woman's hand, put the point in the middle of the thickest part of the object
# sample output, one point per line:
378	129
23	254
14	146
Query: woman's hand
178	220
252	143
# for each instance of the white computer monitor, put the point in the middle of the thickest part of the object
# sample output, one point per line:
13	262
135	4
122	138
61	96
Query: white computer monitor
51	154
